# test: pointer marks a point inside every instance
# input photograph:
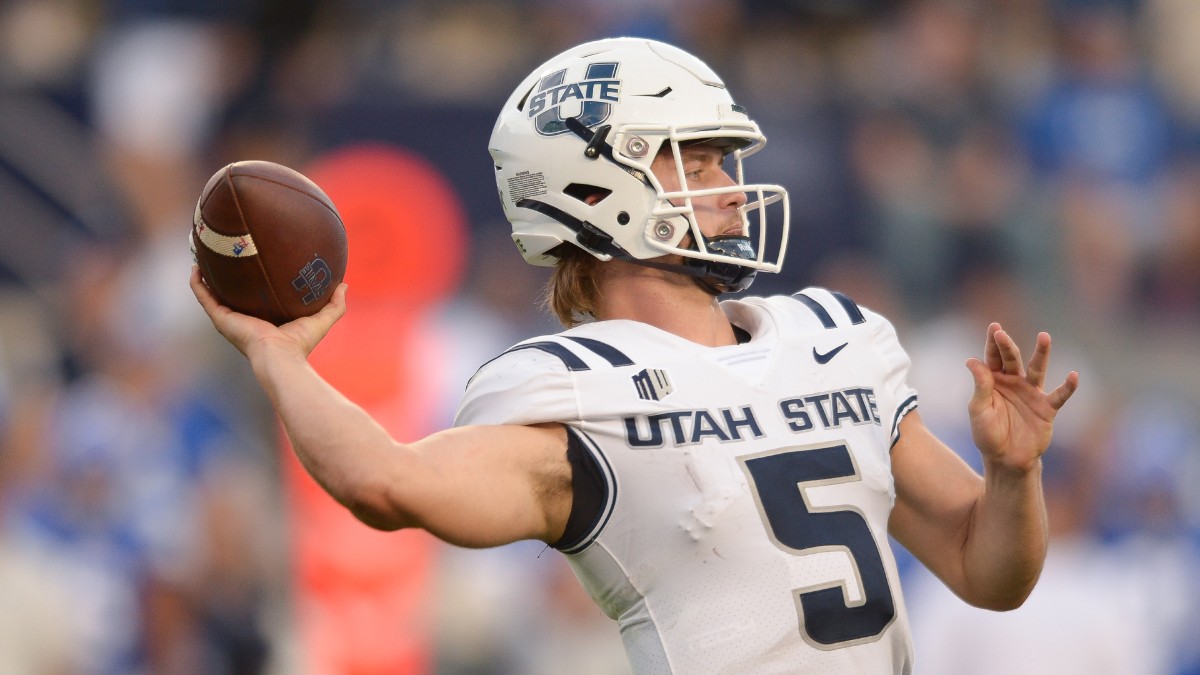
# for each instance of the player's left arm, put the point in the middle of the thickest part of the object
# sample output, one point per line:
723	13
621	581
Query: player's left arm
985	537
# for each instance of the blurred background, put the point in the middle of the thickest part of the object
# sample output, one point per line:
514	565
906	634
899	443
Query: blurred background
951	163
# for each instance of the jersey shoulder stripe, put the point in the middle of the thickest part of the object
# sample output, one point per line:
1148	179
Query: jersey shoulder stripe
817	309
852	310
607	484
826	305
604	350
570	360
560	346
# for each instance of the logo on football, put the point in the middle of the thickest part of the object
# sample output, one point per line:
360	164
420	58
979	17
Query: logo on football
313	280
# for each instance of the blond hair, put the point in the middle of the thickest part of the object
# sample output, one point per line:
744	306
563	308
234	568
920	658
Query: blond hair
572	292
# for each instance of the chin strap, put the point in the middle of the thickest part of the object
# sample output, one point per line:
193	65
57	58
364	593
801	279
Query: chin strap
715	277
587	235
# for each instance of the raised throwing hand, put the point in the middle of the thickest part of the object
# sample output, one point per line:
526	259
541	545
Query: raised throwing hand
248	333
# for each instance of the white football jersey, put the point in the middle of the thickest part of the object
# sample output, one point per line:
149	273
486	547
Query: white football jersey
746	489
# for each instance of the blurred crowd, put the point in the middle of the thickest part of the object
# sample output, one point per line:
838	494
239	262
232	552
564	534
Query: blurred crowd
950	162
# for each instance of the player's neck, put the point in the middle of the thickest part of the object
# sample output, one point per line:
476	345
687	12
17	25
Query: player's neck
666	300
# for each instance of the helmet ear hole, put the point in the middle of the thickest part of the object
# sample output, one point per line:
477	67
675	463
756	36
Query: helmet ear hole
622	218
588	194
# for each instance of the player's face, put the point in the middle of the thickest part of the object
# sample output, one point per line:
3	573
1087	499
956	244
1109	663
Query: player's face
703	168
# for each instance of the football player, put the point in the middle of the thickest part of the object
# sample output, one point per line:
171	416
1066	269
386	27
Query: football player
722	475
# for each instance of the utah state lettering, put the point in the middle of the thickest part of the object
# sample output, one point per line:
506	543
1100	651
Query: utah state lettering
832	409
826	410
688	427
586	90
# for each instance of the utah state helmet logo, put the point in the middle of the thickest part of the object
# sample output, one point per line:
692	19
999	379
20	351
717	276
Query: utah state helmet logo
594	94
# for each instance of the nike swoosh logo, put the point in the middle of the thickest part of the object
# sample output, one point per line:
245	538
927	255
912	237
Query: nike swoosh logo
825	358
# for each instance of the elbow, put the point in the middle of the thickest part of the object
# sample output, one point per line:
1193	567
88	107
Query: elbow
375	519
1001	604
1001	600
375	504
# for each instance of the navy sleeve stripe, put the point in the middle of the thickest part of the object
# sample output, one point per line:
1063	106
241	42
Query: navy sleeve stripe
572	362
606	483
569	359
908	406
856	315
817	309
605	351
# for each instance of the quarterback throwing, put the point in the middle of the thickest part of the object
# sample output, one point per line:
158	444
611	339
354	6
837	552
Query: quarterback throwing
722	475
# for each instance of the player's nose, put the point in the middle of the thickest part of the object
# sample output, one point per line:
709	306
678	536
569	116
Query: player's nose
734	199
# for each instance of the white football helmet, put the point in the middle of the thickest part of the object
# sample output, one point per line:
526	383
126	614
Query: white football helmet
589	122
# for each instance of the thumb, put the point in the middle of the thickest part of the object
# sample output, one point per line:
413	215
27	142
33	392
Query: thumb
984	383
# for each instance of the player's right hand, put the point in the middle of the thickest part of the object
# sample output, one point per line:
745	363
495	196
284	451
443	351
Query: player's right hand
250	335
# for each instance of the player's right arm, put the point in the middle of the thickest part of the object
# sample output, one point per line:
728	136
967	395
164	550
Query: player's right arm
471	486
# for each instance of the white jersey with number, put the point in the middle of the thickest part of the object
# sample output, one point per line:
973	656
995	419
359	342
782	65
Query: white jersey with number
747	488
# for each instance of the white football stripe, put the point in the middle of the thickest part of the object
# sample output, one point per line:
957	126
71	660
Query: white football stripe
240	246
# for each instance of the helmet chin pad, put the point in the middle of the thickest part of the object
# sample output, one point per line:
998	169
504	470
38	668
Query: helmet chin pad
724	277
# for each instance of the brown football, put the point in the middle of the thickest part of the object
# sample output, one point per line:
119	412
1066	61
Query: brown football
268	241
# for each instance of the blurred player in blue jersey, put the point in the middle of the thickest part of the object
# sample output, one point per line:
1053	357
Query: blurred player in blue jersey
721	475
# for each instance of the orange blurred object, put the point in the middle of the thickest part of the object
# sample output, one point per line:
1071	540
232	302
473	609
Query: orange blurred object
363	596
406	224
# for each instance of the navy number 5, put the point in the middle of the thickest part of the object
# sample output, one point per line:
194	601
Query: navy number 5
780	480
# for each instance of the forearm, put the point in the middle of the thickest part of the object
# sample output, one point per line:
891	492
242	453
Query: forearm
347	452
1006	540
470	486
985	537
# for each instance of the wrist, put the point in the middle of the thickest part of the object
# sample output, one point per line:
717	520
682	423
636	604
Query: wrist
268	356
999	469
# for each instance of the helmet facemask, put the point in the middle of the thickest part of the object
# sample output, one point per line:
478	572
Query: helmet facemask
721	263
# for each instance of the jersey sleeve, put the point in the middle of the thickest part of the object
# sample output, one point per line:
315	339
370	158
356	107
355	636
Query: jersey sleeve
521	386
896	398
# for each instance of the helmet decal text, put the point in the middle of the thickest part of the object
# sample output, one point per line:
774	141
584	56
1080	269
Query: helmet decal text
595	94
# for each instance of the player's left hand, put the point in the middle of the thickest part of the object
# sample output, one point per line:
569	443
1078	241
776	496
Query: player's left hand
1012	416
